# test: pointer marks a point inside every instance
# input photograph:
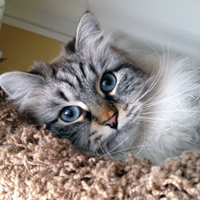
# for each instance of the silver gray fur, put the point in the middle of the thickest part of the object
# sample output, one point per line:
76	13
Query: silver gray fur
73	79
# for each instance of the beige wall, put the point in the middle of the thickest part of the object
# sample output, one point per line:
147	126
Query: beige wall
22	48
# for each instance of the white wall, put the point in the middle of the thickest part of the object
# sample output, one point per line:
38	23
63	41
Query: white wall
145	24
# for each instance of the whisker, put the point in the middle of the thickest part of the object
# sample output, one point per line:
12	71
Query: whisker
126	150
107	152
122	142
171	111
102	148
173	123
168	98
154	82
55	130
159	74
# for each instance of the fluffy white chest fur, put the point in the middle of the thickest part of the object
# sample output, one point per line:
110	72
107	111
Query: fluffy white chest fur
170	121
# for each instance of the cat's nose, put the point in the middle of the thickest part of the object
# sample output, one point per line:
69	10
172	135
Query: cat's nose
112	122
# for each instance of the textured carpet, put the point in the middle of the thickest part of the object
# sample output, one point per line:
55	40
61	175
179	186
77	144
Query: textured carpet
36	166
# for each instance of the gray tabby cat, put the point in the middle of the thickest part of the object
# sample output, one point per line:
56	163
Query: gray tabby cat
105	103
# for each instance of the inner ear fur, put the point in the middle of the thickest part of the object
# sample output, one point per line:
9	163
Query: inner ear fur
87	29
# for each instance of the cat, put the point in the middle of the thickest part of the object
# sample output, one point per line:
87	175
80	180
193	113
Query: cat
109	103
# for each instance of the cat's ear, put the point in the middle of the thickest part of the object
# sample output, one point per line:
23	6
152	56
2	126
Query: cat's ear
20	85
88	28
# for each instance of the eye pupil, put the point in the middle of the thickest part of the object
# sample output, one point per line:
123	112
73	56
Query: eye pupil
70	113
107	83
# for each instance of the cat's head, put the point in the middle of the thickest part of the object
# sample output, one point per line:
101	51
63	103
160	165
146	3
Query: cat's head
91	94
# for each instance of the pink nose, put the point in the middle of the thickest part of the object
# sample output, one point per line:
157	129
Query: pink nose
112	122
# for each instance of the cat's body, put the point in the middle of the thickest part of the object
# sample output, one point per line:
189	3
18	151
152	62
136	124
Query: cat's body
106	103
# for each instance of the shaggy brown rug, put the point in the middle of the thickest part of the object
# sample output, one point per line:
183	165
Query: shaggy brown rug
36	166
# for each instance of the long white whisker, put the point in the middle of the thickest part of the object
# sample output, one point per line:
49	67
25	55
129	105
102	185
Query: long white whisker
168	98
170	111
55	130
162	69
126	138
152	119
127	149
154	82
159	74
107	152
167	66
102	148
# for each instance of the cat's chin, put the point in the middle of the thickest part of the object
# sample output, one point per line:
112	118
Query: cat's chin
118	142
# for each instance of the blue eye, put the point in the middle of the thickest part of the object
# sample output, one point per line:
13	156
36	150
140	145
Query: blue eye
108	82
70	113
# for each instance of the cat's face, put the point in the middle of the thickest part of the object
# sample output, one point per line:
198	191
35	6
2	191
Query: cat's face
91	94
